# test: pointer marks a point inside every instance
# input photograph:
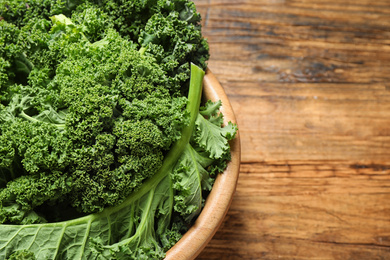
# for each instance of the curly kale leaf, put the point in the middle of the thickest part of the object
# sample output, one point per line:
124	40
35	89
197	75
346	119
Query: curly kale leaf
211	137
17	206
21	12
171	27
191	178
14	66
173	40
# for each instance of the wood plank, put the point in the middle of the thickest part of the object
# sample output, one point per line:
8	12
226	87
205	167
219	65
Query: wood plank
325	121
309	83
307	210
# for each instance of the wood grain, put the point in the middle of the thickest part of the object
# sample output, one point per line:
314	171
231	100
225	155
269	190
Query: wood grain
309	83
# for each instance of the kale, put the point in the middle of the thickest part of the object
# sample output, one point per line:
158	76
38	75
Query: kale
104	148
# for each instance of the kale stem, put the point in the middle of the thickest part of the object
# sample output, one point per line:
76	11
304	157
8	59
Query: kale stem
26	62
34	120
142	50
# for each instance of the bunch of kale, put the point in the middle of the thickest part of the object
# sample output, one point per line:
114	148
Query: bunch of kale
97	117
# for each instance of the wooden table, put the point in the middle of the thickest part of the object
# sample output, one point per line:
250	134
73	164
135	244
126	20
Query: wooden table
310	85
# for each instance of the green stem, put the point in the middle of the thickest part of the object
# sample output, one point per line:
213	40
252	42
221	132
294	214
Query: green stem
142	50
34	120
25	64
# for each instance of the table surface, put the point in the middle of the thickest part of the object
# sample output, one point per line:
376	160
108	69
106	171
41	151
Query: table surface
309	82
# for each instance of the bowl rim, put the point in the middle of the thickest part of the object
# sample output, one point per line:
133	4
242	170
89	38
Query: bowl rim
219	200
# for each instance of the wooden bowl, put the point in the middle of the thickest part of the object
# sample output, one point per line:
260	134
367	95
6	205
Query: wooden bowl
221	195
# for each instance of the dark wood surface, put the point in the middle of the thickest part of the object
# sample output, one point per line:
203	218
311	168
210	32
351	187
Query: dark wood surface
309	82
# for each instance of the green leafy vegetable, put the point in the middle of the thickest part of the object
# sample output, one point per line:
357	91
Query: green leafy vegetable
105	152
